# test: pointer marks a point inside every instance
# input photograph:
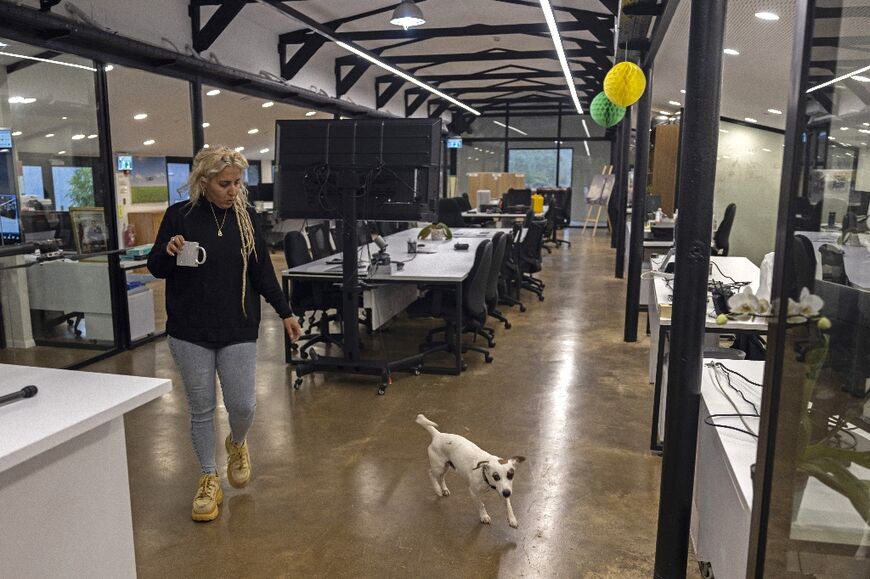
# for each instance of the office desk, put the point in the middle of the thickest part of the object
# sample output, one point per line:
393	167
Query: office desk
64	487
660	295
444	266
650	246
722	501
74	286
504	218
856	258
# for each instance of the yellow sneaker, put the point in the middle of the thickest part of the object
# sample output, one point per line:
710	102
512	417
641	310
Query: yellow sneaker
238	463
208	496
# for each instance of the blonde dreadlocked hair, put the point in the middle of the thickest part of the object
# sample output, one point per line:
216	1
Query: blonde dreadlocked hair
209	162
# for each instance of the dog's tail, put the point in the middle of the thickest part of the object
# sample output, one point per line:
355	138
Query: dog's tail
427	424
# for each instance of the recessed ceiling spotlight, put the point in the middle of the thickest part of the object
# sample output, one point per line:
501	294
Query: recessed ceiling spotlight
863	144
658	118
108	68
674	103
49	135
774	111
750	120
268	104
78	137
665	112
253	131
683	91
832	138
723	130
206	146
844	128
213	92
206	125
63	118
866	124
310	113
264	151
861	78
239	149
149	142
140	116
16	133
767	16
765	149
92	136
731	52
61	152
865	131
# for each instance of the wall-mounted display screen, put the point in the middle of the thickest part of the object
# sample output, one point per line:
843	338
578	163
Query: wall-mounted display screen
454	142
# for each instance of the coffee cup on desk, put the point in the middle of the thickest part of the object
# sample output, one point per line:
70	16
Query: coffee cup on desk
189	255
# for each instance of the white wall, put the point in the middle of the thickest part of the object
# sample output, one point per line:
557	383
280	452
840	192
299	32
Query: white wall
748	168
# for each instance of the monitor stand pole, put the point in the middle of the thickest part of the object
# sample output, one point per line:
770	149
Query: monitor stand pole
350	362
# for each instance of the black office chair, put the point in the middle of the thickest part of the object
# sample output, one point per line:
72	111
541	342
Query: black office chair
511	279
464	202
557	210
450	212
833	264
530	261
441	303
319	238
311	296
723	232
803	271
499	243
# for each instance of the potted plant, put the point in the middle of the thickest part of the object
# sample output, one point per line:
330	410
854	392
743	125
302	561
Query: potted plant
435	232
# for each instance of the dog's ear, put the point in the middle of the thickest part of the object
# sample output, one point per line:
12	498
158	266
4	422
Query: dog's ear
480	464
518	459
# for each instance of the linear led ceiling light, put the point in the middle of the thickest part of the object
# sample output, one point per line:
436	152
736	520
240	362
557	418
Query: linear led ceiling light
58	62
511	128
361	52
557	43
827	83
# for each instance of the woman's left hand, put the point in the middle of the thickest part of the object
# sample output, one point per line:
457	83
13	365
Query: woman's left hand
293	329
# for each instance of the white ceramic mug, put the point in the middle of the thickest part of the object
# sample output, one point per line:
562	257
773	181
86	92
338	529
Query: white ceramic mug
189	255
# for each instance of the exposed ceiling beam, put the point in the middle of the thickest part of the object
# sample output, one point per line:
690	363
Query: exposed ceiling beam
489	55
204	37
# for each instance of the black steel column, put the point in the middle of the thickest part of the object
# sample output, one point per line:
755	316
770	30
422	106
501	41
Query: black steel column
615	163
117	277
196	115
622	188
638	213
507	122
696	180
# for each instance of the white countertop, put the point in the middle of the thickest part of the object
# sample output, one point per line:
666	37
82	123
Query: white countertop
477	213
443	264
68	404
736	268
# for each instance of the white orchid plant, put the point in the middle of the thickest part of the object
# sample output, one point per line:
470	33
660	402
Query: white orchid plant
748	306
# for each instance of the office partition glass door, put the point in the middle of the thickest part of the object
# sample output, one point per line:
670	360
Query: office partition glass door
811	504
56	296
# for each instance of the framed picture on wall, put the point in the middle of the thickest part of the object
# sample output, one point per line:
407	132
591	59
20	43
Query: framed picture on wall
89	229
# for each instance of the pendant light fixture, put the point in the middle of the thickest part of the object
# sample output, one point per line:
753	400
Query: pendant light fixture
407	14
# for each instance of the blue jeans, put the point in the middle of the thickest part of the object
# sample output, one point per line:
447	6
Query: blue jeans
236	367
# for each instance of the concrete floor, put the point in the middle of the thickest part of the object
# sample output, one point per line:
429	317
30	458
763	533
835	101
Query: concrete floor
340	486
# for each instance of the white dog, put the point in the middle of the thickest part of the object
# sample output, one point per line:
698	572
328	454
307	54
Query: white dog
482	470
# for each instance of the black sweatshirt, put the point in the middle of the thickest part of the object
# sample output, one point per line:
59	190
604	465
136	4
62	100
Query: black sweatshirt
204	303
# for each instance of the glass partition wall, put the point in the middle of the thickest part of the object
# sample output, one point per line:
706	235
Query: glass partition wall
54	191
812	479
548	151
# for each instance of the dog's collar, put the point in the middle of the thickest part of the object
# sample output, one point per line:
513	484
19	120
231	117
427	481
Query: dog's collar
486	480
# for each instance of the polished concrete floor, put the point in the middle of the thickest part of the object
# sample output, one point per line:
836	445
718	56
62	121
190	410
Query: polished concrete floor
340	486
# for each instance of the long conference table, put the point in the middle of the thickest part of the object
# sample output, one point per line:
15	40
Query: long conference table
723	269
391	291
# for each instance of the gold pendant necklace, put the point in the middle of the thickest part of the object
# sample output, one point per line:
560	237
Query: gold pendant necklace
220	227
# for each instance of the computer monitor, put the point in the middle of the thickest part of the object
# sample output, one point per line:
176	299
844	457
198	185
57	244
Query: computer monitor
484	197
397	160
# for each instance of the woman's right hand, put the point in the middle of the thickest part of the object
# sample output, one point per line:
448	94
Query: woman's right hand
176	242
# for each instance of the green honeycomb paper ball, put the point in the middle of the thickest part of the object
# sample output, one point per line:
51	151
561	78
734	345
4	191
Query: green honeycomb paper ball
604	112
